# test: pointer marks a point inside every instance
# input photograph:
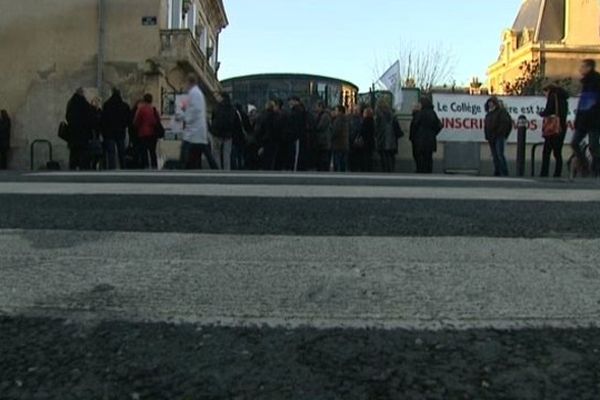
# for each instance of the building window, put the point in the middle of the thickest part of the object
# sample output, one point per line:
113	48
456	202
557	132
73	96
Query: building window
174	12
191	17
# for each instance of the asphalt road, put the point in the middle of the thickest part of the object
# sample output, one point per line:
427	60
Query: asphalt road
212	286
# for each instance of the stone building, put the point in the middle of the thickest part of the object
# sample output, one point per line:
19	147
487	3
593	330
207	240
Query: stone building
50	48
555	34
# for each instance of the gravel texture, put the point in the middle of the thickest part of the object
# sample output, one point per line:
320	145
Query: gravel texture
59	359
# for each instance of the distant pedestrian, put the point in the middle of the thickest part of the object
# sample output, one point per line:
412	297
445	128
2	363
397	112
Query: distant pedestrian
297	141
387	133
340	140
267	136
80	118
498	126
282	161
322	138
116	117
357	143
367	133
424	128
587	122
96	149
241	135
557	105
195	134
146	122
224	125
5	131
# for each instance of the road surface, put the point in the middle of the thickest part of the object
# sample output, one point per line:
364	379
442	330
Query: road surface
271	286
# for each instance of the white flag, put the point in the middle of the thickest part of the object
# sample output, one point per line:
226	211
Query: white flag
392	80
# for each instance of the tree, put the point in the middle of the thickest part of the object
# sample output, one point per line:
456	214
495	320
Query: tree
425	67
532	81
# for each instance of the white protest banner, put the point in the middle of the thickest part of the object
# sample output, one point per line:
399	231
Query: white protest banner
463	116
391	79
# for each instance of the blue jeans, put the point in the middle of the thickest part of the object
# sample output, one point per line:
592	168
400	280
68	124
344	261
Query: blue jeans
497	147
238	157
112	149
340	161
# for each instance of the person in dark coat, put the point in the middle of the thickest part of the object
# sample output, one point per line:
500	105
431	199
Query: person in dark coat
297	141
80	119
115	120
367	133
225	125
266	136
340	139
240	139
386	136
323	137
357	145
5	130
498	126
587	121
281	124
557	104
424	128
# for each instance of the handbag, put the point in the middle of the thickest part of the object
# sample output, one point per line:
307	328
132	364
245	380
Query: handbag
358	143
63	131
551	126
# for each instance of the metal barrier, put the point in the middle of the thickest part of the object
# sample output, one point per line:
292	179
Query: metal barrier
533	150
32	150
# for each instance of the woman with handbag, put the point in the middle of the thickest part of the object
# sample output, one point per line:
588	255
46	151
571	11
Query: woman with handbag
554	128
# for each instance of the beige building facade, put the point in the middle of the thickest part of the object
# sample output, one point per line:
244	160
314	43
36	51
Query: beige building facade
556	34
50	48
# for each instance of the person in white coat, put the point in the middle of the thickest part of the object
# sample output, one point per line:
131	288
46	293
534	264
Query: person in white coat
195	132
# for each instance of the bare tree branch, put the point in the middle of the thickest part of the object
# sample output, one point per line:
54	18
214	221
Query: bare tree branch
424	67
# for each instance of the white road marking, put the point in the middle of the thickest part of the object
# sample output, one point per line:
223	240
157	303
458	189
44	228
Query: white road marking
301	191
286	175
415	283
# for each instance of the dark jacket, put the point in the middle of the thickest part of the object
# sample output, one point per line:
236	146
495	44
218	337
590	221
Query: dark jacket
355	125
297	123
340	137
367	132
115	119
588	111
5	127
386	138
323	132
81	120
242	130
424	128
498	124
225	122
264	129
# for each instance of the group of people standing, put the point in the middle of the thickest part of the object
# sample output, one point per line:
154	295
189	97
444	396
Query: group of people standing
295	139
289	137
282	137
97	135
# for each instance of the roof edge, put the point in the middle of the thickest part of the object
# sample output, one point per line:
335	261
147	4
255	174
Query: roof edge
289	74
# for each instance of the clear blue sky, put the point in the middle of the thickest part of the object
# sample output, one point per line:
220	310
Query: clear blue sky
348	38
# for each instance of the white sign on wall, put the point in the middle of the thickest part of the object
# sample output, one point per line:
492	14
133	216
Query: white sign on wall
463	116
